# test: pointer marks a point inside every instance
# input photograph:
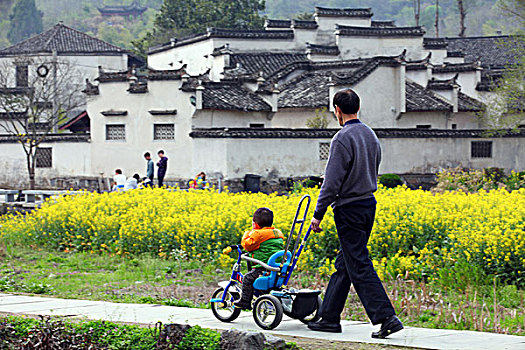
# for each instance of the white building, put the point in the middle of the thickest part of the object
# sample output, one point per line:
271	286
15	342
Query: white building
233	102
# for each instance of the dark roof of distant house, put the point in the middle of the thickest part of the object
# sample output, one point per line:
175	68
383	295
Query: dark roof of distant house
76	137
492	51
133	8
379	31
456	67
434	43
383	24
311	88
277	23
419	99
322	49
442	84
273	133
343	12
148	74
250	64
63	40
254	34
301	24
222	96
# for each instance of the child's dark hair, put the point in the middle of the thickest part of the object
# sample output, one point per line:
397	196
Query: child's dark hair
118	171
263	217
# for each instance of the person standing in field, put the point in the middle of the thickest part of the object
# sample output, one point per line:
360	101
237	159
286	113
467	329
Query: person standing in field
162	167
150	168
349	185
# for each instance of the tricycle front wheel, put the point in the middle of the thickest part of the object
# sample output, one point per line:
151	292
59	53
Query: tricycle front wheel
267	311
223	312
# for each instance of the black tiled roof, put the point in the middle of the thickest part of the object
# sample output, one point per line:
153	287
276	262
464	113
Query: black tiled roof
489	79
455	54
434	43
64	40
343	12
299	24
50	138
322	49
251	64
232	97
490	50
224	33
456	67
150	74
442	84
277	23
379	31
272	133
469	104
418	64
419	99
383	24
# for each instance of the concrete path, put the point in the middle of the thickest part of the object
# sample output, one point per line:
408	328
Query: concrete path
352	331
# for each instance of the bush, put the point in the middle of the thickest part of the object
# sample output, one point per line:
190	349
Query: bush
474	180
390	180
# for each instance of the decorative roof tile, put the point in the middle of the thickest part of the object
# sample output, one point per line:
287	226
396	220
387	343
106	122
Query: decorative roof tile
222	96
456	67
63	40
299	24
491	51
379	31
277	23
383	24
442	84
277	133
343	12
322	49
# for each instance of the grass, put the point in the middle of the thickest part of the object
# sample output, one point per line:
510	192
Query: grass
451	302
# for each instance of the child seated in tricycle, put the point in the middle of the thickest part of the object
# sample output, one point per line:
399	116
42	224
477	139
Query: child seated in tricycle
262	241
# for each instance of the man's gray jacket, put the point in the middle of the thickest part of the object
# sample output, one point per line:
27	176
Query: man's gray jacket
352	168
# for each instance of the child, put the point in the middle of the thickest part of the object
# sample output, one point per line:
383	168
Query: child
263	241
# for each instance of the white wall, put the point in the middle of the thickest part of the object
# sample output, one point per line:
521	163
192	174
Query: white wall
68	158
128	155
294	118
235	119
192	55
437	120
367	46
329	23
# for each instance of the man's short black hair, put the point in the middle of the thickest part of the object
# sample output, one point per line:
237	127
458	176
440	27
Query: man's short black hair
263	217
147	155
161	151
347	100
118	171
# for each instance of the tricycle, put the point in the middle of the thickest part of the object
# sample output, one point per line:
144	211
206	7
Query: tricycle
272	297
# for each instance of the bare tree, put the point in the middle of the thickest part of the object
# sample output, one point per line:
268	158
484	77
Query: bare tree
36	95
436	21
462	15
417	11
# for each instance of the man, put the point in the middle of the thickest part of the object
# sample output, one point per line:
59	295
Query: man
349	184
162	167
150	168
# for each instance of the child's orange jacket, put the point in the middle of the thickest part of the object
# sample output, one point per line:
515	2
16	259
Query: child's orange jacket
263	242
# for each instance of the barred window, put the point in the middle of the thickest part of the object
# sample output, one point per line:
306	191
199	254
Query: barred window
44	157
115	132
324	149
164	132
481	149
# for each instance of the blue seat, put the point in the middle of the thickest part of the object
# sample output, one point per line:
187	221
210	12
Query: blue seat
271	281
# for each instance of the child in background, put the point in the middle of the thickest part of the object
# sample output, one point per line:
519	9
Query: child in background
263	241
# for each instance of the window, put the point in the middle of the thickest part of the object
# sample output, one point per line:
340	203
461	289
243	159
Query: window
22	75
425	126
454	126
44	157
115	132
256	125
481	149
164	132
324	150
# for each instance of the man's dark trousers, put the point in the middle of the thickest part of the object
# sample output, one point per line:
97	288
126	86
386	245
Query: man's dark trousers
354	224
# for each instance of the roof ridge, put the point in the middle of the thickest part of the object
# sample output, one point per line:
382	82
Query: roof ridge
55	30
91	37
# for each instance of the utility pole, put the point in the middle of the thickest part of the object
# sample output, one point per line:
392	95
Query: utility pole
417	11
436	24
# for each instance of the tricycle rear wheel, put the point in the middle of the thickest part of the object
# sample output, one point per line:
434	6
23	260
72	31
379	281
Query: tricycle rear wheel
228	313
314	316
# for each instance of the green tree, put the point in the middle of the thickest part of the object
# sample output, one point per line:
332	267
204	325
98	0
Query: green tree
25	19
320	121
178	18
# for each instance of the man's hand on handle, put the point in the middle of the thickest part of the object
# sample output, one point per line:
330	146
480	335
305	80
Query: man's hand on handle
316	225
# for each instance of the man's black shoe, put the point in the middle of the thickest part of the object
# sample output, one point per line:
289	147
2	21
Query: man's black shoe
391	325
325	326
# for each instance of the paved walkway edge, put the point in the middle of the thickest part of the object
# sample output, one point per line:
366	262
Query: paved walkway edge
357	332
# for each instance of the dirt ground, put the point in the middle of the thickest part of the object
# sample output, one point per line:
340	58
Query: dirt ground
320	344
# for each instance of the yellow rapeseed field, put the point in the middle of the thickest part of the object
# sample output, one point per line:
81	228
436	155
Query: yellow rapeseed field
416	233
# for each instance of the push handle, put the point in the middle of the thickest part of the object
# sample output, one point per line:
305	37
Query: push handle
297	220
